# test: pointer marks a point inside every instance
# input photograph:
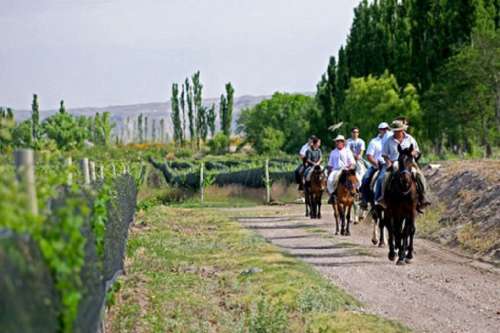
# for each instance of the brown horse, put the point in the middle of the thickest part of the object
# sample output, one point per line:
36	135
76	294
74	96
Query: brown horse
401	199
345	194
313	192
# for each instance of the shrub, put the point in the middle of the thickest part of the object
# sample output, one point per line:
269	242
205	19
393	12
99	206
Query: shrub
219	144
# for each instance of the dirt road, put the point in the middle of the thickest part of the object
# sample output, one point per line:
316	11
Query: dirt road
440	291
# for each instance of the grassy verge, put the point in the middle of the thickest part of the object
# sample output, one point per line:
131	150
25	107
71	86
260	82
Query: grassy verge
194	270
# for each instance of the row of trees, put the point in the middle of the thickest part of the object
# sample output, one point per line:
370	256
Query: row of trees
201	120
62	130
446	52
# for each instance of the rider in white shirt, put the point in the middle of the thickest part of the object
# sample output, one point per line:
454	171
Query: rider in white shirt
341	158
374	157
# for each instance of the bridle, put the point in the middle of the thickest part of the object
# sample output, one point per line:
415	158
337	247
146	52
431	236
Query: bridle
403	170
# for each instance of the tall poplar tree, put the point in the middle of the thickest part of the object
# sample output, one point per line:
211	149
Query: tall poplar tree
189	99
229	101
176	120
211	116
35	119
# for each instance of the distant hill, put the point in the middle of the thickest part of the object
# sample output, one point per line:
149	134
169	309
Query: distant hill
152	110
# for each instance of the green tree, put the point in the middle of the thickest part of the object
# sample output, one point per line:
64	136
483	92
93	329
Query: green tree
199	110
222	112
62	108
183	109
7	124
228	118
218	144
288	114
211	116
66	130
189	99
35	119
140	126
325	97
176	120
372	100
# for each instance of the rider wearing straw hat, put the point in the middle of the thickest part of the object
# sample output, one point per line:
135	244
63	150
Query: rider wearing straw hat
390	154
340	158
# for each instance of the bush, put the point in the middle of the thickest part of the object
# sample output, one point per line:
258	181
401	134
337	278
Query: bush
219	144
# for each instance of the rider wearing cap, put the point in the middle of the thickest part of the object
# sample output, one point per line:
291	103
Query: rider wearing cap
390	154
340	158
302	156
377	162
313	157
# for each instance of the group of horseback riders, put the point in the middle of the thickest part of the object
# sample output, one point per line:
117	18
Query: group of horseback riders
382	155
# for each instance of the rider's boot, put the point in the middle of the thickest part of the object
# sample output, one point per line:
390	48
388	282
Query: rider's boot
422	202
331	199
381	203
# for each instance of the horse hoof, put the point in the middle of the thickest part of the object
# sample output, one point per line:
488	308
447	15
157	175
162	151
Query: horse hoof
392	256
400	262
348	233
408	260
381	244
374	241
336	233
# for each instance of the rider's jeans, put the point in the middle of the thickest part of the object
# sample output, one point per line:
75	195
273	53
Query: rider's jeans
365	186
380	183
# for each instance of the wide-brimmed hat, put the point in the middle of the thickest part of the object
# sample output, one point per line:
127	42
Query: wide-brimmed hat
339	138
398	125
383	125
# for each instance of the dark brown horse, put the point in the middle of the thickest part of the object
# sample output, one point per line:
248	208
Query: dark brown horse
345	194
313	192
401	199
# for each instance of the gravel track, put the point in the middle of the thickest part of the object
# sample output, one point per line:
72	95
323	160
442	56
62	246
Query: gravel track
441	291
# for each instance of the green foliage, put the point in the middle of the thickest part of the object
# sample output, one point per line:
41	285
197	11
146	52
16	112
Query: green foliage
279	123
189	99
223	114
463	107
35	119
228	110
267	317
372	100
7	124
211	116
218	144
102	129
100	216
176	120
67	131
21	134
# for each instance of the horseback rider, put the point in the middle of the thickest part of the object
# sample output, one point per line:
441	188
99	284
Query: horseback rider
299	172
377	162
312	158
356	145
340	158
390	154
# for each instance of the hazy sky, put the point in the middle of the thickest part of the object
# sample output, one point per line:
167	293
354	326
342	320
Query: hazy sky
104	52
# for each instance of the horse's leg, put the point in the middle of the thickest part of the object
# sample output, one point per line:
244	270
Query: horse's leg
381	241
342	219
402	241
348	221
320	195
389	222
336	214
411	232
374	231
306	199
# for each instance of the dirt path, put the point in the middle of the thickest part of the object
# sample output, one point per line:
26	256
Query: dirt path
440	291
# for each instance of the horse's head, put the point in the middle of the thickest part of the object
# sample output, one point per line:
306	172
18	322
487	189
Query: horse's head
406	162
318	177
350	181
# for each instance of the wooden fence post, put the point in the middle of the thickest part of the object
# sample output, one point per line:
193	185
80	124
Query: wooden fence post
101	171
84	165
25	173
202	187
268	183
92	171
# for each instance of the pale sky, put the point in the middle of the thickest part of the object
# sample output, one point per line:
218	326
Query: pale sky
108	52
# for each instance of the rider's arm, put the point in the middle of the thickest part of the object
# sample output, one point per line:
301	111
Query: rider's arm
372	160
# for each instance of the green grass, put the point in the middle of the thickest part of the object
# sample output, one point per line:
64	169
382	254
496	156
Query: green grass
194	270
